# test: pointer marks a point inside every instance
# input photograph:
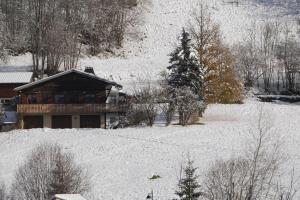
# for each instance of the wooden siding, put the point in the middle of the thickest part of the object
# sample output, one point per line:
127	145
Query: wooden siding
69	108
7	89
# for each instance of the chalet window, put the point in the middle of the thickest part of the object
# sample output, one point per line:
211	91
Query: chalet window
73	97
90	98
101	97
32	99
59	98
47	98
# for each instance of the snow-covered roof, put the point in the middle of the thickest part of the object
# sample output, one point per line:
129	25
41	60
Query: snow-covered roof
15	77
63	74
69	197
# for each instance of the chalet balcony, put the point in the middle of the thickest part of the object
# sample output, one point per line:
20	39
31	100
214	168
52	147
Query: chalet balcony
70	108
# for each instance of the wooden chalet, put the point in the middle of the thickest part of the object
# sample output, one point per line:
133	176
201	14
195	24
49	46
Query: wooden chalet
70	99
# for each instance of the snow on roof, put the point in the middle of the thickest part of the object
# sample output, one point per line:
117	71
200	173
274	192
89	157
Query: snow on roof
69	197
65	73
15	77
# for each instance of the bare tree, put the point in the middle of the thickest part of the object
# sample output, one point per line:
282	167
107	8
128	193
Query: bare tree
290	190
2	191
289	55
268	42
53	31
107	23
247	59
206	35
48	171
253	176
167	105
166	99
147	99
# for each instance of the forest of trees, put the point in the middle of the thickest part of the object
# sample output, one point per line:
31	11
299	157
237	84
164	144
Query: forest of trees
270	58
54	31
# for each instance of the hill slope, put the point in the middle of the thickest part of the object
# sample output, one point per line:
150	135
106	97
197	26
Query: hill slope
147	45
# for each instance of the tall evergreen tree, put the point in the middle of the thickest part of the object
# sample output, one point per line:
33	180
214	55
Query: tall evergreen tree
188	186
185	69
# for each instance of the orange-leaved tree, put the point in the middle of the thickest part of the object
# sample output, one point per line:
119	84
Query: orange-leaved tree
220	81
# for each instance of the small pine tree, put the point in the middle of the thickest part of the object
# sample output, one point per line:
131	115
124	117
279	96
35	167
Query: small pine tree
185	69
188	186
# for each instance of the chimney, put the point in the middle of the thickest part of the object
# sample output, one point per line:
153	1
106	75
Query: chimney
89	70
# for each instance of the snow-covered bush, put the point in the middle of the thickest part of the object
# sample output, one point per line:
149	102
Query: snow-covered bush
147	103
145	106
187	104
48	171
134	116
167	103
168	110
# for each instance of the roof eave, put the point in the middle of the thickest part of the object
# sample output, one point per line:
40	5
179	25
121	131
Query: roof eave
18	89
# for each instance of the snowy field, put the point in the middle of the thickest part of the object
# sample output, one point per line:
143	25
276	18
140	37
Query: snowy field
121	161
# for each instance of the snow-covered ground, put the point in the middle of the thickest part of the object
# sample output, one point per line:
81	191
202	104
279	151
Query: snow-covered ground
121	161
147	45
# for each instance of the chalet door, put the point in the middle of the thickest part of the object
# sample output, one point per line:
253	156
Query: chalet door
89	121
61	121
33	122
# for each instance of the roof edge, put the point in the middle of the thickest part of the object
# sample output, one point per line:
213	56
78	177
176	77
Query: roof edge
65	73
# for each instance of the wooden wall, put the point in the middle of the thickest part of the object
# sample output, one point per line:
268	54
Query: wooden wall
7	89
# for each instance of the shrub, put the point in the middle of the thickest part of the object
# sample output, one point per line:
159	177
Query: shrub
48	171
135	116
187	104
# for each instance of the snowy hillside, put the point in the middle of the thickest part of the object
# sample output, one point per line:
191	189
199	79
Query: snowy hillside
163	21
121	161
146	48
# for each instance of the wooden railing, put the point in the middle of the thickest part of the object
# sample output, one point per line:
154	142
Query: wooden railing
70	108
